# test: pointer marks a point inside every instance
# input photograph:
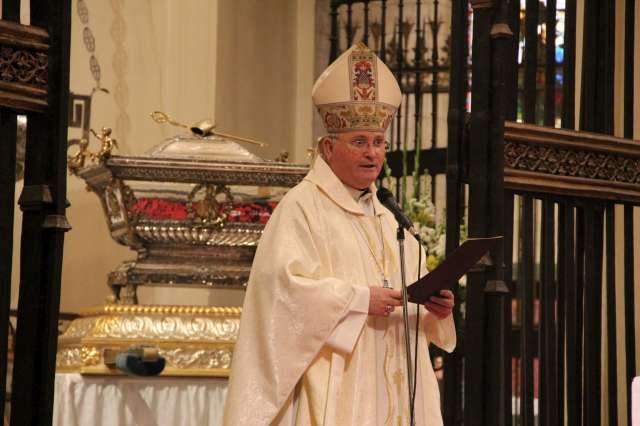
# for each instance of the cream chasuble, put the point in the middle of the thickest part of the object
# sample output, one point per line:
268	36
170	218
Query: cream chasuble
308	353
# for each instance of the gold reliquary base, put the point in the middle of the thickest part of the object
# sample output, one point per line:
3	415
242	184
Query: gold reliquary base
194	340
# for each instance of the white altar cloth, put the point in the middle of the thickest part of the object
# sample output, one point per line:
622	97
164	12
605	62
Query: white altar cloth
156	401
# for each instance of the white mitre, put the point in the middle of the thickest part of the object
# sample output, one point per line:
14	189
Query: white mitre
356	92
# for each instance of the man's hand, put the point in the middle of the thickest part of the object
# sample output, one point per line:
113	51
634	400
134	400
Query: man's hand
382	301
441	306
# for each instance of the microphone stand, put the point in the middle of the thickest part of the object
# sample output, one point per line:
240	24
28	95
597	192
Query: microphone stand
405	318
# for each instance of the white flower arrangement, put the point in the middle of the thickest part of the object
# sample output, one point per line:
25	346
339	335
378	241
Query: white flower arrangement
422	213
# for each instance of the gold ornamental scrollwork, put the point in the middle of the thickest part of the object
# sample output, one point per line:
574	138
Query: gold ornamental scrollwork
215	311
185	358
188	323
209	204
90	355
69	358
194	340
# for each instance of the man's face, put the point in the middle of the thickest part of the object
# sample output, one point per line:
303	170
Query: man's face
355	157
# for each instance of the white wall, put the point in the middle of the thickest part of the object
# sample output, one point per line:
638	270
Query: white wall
247	64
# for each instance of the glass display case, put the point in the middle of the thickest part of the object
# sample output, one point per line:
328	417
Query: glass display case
192	209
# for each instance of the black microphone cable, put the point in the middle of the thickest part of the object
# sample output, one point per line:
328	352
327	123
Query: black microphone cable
387	199
415	354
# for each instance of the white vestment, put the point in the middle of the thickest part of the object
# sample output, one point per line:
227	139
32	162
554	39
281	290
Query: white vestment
308	353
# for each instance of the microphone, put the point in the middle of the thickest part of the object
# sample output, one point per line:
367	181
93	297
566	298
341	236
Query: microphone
387	199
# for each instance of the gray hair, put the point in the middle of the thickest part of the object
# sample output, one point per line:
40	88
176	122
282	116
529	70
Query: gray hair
332	136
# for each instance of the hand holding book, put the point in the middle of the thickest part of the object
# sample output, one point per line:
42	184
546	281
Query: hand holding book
441	304
450	270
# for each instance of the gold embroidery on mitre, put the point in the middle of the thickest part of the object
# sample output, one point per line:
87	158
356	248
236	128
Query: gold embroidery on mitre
363	74
349	116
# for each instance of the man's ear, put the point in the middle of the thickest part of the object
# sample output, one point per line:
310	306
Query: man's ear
326	147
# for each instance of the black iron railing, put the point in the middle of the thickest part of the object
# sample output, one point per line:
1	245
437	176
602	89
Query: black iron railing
408	36
556	195
35	82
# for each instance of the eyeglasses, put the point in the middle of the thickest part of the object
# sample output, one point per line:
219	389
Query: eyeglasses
361	144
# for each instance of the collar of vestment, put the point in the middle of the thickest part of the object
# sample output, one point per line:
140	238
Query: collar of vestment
323	177
359	194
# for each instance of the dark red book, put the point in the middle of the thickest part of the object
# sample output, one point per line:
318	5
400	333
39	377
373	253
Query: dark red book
454	266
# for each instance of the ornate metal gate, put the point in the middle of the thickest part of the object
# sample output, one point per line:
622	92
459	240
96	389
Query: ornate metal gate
34	80
563	199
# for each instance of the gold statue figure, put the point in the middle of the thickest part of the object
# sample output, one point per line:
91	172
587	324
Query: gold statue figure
108	143
77	160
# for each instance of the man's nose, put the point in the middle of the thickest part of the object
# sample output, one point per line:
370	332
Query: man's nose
370	151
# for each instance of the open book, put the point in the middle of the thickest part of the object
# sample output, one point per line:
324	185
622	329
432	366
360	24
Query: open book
445	275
